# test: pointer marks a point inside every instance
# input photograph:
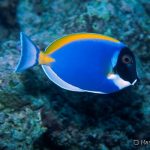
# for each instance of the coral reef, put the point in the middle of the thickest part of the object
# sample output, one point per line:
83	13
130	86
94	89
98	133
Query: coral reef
36	114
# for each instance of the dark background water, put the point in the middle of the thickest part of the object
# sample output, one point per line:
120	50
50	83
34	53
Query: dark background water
36	114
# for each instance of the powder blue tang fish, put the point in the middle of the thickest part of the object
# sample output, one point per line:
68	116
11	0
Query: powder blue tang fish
83	62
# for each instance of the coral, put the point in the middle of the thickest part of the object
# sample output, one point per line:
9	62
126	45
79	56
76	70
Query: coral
19	129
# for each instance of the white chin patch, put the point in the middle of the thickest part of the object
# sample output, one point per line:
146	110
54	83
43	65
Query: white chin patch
119	82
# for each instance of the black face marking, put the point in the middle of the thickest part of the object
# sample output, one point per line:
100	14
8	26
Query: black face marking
126	65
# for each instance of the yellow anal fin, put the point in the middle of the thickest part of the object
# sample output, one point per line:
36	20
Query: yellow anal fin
45	59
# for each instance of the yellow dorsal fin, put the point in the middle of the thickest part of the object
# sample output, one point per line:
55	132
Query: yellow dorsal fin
45	59
76	36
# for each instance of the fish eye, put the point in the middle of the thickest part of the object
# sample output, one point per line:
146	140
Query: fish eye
126	59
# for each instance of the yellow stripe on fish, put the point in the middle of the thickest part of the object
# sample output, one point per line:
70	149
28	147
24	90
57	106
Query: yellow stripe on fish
73	37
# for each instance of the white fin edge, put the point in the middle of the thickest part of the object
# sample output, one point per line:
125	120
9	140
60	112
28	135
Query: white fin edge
134	81
61	83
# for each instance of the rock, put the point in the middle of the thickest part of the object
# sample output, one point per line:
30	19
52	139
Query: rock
17	135
8	20
2	117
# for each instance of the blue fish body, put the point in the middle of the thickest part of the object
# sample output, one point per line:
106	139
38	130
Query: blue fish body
86	64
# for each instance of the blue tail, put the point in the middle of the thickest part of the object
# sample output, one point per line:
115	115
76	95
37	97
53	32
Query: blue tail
29	54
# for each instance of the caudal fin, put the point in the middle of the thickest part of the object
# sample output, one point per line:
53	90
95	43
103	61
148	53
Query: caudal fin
30	55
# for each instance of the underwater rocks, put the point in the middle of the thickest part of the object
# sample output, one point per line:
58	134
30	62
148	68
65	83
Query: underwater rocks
8	12
36	114
20	122
18	129
92	122
8	20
